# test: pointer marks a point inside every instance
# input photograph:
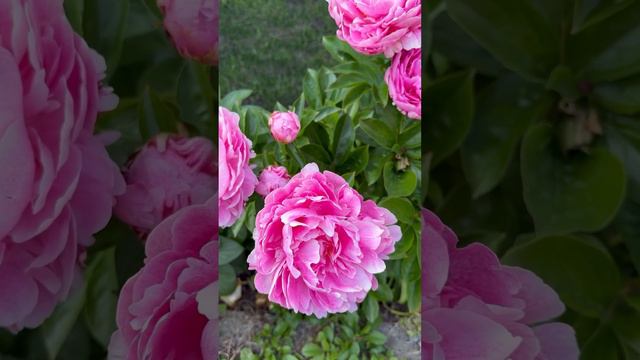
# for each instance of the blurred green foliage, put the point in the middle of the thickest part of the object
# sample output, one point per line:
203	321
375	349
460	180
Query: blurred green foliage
533	133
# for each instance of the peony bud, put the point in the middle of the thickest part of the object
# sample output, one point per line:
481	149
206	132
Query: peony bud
284	126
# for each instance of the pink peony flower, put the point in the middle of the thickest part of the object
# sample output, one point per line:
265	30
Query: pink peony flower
318	244
169	308
236	180
404	78
271	178
378	26
167	174
193	27
57	183
475	308
284	126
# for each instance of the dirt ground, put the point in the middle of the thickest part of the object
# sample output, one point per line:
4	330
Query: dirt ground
238	327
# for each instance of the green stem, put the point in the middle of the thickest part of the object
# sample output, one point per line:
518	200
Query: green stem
293	151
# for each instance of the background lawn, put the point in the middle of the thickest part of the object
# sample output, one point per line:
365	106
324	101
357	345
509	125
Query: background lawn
267	46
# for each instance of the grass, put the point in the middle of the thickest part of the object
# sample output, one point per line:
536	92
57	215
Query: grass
267	45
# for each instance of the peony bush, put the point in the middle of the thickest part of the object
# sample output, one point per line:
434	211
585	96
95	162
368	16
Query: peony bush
332	225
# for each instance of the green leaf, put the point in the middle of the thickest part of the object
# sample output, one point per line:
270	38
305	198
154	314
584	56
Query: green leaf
104	27
520	34
377	158
591	12
503	114
622	97
576	192
609	50
448	118
384	292
626	226
234	99
311	349
454	43
625	325
379	132
356	161
229	250
247	354
317	134
354	94
350	178
347	81
343	138
313	93
622	137
296	158
129	252
405	245
414	298
156	116
401	208
152	6
57	327
377	338
580	270
563	81
399	184
327	112
315	153
371	309
411	136
196	97
101	296
603	345
339	49
74	10
227	279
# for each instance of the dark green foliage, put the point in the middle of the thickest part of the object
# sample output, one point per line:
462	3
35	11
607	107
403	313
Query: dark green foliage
532	131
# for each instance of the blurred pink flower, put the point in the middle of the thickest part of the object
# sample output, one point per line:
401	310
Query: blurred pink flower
318	244
378	26
284	126
236	180
271	178
169	308
475	308
167	174
193	27
404	78
57	183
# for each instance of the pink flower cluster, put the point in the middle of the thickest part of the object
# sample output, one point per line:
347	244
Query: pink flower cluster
57	183
236	178
271	178
318	244
392	27
374	27
193	27
404	78
475	308
167	174
169	308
